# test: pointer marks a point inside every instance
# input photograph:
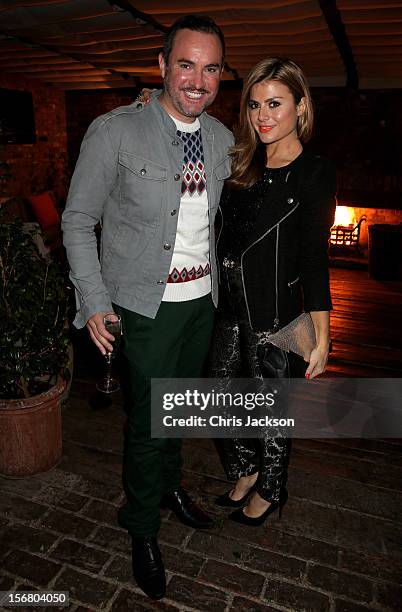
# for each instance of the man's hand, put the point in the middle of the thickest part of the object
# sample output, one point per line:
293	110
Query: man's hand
98	332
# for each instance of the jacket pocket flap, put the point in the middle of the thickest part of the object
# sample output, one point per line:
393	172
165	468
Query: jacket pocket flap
144	168
223	169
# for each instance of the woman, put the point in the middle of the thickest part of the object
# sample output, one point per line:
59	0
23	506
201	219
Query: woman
277	210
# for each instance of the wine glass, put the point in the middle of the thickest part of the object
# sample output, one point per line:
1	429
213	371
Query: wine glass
108	384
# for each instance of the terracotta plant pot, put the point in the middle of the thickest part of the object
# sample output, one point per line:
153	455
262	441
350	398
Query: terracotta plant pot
30	433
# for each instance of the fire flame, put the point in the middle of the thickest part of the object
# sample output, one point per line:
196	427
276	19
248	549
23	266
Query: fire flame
344	215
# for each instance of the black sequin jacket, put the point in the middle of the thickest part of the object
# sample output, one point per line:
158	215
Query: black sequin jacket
278	230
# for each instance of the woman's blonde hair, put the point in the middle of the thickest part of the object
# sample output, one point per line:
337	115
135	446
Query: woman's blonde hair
249	154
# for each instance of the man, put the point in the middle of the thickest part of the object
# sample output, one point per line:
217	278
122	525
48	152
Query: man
154	177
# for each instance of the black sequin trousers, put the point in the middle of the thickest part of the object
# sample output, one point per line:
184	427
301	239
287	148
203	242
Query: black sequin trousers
237	352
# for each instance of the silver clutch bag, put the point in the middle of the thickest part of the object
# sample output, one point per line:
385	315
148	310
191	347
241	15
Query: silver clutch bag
297	336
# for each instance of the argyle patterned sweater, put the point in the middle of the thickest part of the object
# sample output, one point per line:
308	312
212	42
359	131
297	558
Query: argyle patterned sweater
189	276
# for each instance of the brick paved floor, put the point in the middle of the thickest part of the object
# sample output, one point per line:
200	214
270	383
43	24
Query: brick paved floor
337	547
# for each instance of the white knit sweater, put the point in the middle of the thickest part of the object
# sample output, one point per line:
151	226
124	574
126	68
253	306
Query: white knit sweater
189	276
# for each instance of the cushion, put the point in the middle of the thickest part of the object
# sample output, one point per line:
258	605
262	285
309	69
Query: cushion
44	208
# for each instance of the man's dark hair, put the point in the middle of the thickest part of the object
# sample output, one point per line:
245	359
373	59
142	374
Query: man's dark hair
197	23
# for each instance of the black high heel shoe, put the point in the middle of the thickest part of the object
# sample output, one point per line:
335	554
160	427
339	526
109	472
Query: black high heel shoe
239	517
227	502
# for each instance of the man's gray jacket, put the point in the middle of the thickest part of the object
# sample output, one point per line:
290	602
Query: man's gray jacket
129	176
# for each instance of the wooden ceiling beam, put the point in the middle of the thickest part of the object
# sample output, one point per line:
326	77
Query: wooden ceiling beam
139	16
378	41
90	85
338	31
53	49
352	5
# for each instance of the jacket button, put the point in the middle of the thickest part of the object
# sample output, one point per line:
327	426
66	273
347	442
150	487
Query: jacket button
173	212
160	282
175	143
167	246
143	171
177	177
290	200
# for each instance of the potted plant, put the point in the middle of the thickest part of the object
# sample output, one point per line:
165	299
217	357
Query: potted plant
34	354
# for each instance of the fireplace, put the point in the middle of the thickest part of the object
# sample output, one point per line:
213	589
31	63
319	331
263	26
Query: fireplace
346	230
349	233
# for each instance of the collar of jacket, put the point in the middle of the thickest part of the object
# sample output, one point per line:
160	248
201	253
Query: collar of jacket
270	207
276	206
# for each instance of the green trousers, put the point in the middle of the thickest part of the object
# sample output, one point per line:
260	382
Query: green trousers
173	345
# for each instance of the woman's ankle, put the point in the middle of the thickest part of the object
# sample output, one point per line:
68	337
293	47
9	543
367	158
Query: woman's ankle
256	505
246	482
243	485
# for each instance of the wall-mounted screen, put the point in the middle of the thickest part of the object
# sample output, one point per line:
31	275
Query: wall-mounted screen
17	119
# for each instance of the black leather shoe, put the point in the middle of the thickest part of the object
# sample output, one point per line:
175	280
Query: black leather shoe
227	502
238	516
186	510
148	569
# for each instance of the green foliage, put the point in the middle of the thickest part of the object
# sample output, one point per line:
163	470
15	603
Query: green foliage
33	313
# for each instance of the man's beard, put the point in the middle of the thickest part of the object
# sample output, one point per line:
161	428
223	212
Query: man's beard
178	103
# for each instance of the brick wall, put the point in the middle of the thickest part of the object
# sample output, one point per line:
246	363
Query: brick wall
373	216
353	130
361	132
43	165
84	106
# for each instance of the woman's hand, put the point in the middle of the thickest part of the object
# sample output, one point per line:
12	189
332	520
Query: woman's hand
144	96
319	355
318	361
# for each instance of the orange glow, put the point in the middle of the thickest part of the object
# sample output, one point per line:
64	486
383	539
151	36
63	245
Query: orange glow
345	216
344	231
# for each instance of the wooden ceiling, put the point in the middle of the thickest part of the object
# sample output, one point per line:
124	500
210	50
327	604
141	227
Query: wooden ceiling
90	44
